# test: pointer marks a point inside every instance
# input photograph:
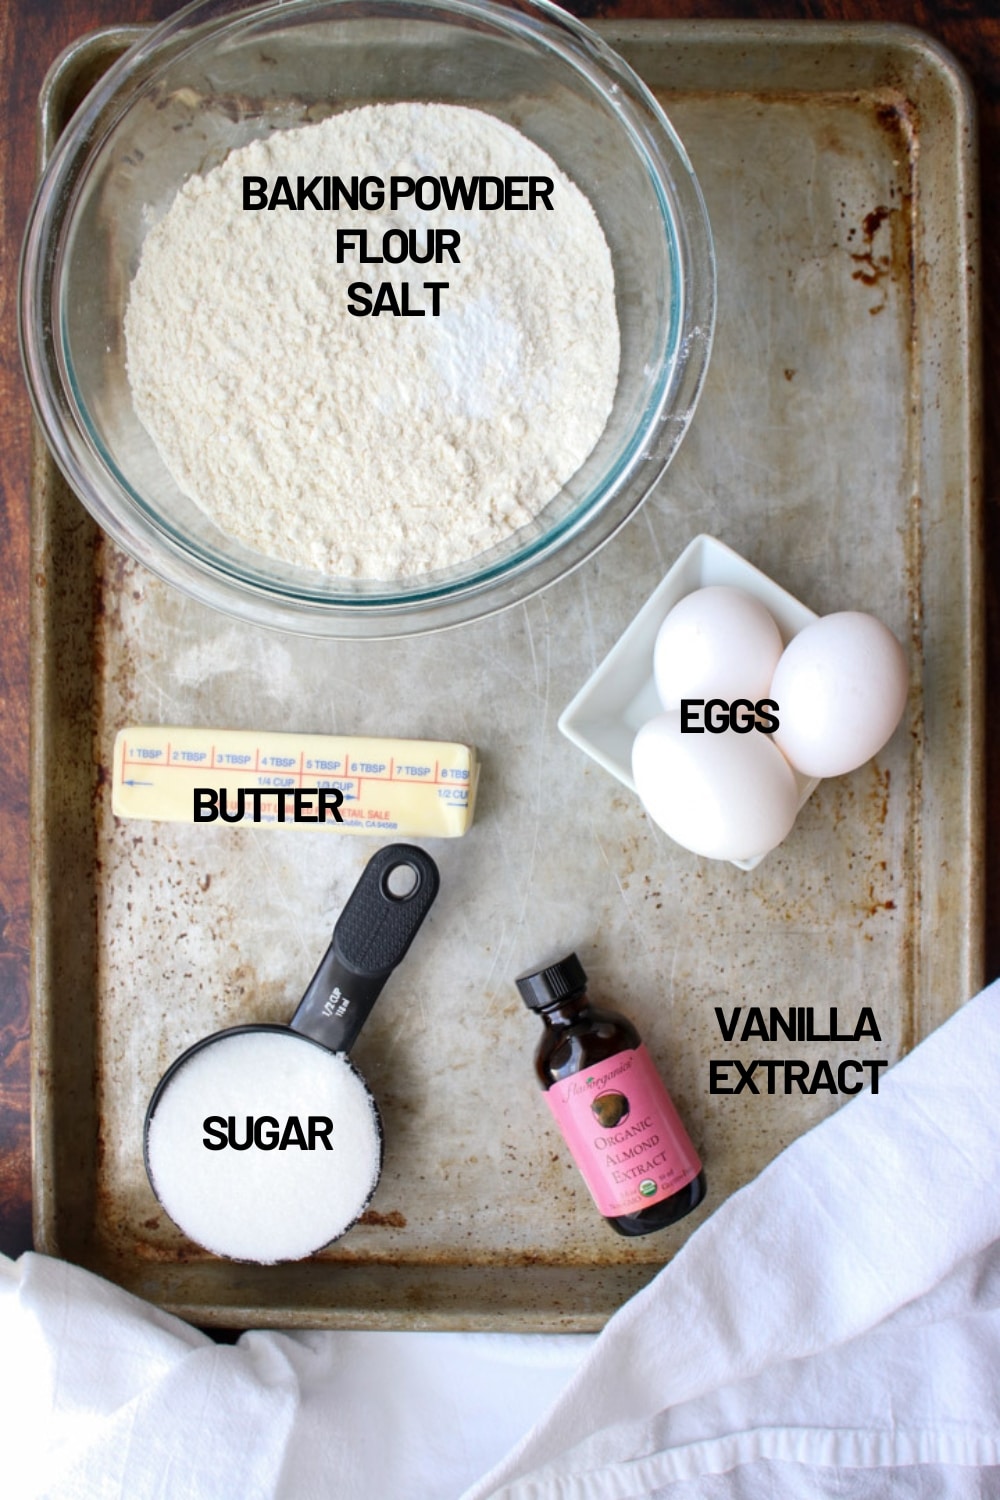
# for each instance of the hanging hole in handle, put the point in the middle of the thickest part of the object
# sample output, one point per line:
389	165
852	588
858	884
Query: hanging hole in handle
400	882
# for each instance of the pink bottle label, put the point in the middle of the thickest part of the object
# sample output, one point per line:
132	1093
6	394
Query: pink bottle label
625	1134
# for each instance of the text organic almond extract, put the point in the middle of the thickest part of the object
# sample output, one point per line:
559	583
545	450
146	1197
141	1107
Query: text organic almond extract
611	1106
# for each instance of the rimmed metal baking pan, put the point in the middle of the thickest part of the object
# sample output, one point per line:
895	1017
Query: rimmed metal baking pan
837	447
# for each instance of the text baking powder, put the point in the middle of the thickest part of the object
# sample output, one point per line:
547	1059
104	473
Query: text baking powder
374	446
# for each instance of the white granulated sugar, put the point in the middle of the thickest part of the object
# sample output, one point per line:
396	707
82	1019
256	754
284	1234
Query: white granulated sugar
376	447
259	1204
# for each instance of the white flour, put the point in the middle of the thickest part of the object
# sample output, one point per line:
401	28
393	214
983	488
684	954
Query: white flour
377	447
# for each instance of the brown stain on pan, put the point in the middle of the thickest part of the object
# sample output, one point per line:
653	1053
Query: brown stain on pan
878	794
883	255
183	1254
393	1219
914	723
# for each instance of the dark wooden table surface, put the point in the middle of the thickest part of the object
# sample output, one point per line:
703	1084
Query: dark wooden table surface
32	33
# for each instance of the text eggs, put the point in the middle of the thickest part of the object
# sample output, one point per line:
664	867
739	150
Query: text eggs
841	689
717	642
726	795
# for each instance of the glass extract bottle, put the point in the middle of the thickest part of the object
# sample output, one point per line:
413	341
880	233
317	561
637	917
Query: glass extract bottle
611	1106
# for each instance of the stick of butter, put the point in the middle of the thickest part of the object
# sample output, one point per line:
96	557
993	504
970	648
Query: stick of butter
419	788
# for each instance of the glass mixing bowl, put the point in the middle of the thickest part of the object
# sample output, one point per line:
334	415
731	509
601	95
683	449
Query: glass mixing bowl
220	74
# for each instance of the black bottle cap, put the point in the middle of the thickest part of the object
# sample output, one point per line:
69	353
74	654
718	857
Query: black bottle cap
548	986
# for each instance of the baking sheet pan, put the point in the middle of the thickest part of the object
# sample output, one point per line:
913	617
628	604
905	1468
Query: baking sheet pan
837	447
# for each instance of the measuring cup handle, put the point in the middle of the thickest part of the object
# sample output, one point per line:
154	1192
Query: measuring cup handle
379	922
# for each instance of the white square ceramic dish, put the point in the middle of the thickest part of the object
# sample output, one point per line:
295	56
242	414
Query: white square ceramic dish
620	696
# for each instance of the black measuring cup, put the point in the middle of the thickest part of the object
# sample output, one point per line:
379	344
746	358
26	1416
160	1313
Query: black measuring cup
234	1206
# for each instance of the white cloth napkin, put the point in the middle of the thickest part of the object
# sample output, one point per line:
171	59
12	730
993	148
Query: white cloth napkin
833	1330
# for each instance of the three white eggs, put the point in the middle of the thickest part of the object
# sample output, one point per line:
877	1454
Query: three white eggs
837	692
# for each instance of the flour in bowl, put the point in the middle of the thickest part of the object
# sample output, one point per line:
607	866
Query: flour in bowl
376	434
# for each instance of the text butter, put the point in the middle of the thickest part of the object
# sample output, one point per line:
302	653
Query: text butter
411	788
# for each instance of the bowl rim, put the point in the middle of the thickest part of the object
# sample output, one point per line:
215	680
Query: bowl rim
135	527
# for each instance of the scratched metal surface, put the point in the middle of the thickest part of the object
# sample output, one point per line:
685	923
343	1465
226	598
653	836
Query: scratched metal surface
836	447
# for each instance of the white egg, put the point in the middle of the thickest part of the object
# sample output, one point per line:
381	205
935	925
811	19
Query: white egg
718	642
727	796
840	687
